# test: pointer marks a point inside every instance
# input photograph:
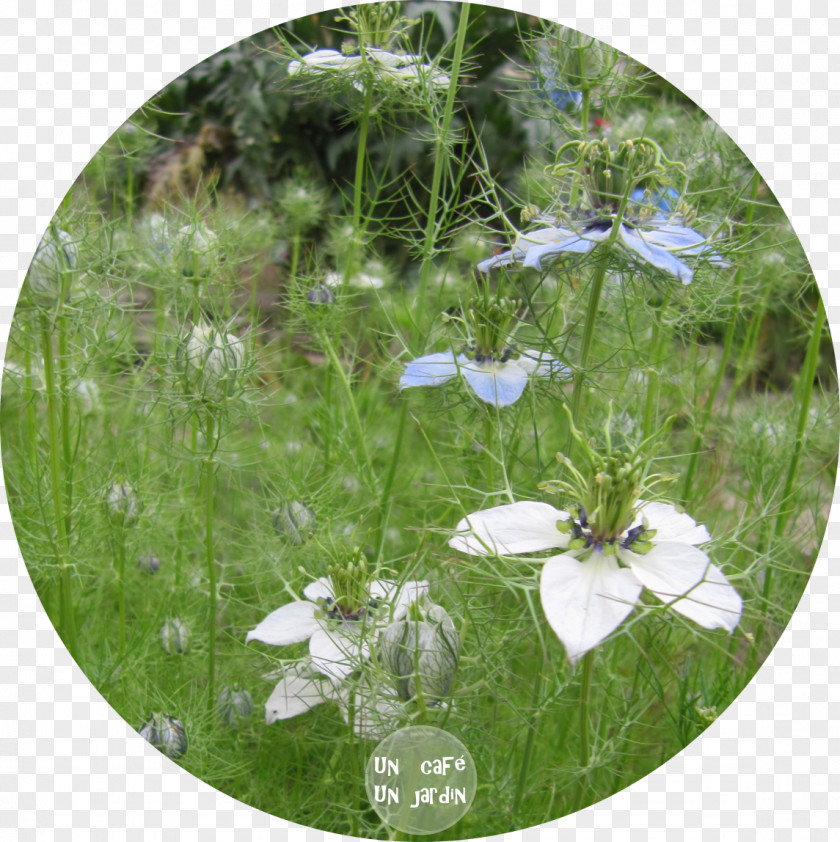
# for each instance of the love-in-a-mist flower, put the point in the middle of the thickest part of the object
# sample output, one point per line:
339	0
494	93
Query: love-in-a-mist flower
614	545
648	232
372	65
341	618
489	363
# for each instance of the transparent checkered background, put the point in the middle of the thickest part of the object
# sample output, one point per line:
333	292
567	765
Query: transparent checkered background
768	72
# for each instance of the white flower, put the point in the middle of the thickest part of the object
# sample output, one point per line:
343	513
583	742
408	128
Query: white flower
405	70
338	644
585	593
495	381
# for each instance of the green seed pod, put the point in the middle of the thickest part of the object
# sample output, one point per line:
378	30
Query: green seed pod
166	734
294	522
197	251
211	363
235	705
421	654
56	257
121	504
175	637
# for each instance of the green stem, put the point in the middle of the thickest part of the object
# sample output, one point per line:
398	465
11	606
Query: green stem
121	587
657	344
358	184
488	449
441	149
385	499
66	615
354	411
585	689
210	557
294	259
525	767
595	288
62	363
727	352
805	389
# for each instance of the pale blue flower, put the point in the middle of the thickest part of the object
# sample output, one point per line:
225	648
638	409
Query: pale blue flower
654	239
496	381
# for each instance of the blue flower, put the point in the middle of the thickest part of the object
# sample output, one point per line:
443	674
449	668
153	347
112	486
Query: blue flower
496	381
654	239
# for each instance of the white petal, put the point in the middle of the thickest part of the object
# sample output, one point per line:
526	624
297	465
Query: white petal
684	579
655	255
431	370
585	601
671	525
377	712
337	653
523	527
500	384
319	589
292	623
408	593
298	692
542	365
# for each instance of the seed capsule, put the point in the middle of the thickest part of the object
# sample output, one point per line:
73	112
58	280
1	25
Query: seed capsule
211	363
294	522
121	504
175	637
166	734
235	705
421	654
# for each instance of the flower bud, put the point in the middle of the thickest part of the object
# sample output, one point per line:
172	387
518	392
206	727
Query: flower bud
294	522
121	504
57	255
197	250
211	363
421	654
320	294
166	734
148	564
235	704
175	637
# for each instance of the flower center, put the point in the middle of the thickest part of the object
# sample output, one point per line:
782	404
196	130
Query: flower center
351	586
493	324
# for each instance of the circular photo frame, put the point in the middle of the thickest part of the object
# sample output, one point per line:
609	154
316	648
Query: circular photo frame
420	365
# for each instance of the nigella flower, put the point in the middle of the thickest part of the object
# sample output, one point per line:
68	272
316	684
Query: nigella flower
590	589
498	380
381	64
341	618
490	365
655	240
648	231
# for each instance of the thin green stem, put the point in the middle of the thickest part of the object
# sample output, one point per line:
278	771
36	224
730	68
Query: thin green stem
583	711
527	755
210	555
706	412
804	391
358	184
595	289
385	499
441	150
657	344
121	587
354	410
66	615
